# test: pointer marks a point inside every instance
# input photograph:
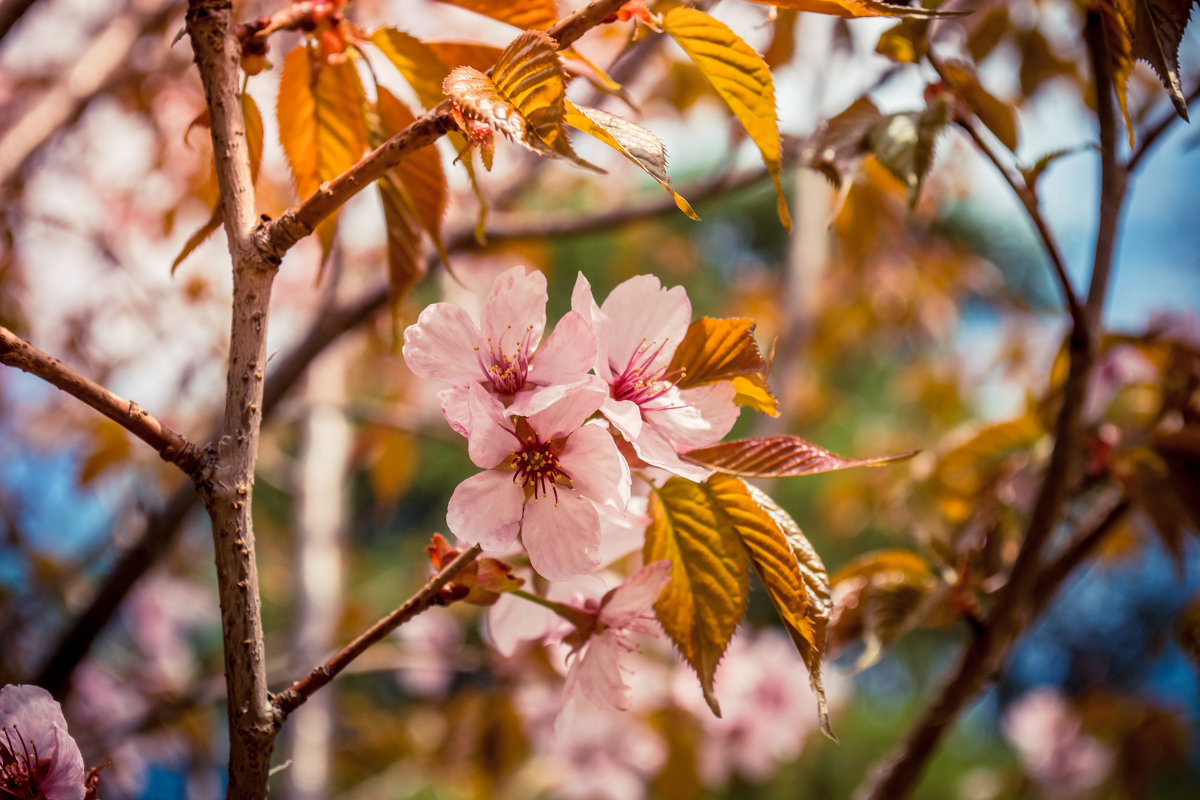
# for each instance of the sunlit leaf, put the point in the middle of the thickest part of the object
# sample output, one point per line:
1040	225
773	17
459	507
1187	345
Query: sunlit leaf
465	54
1118	18
522	14
907	42
420	175
416	61
320	120
1158	30
716	350
706	597
840	143
632	141
790	571
752	391
740	77
860	8
778	457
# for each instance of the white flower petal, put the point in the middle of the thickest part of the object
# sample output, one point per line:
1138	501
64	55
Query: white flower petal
485	509
561	535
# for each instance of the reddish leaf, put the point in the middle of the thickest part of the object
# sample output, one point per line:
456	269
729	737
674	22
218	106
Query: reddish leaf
779	457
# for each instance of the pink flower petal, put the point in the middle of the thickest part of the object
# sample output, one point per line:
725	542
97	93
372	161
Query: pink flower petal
568	353
640	310
515	305
653	448
595	466
561	536
634	598
29	713
442	345
625	415
584	304
489	441
597	674
456	409
568	414
486	509
697	417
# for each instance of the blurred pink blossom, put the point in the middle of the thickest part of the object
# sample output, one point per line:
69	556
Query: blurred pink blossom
1057	755
38	758
637	330
544	478
768	708
595	670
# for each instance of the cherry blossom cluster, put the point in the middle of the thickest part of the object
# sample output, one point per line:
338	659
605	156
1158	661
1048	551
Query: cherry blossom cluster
558	425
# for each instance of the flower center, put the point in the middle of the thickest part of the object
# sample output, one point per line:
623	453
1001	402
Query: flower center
506	365
20	769
639	382
536	463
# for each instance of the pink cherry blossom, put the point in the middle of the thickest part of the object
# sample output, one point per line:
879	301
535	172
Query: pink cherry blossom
38	758
595	671
545	476
505	353
1060	758
637	331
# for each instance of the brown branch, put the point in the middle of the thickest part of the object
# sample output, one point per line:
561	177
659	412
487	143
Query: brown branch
253	722
295	695
1113	178
1155	132
1055	573
171	446
252	36
302	219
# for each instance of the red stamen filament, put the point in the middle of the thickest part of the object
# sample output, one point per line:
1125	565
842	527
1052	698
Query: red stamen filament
507	372
641	384
19	767
537	465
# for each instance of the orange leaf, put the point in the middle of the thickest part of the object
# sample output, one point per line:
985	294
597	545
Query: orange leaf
860	8
419	63
717	349
524	14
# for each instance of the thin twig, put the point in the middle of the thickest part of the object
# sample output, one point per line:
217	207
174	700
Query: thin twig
1055	573
171	446
1152	135
295	695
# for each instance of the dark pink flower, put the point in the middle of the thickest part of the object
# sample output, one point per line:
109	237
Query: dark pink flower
38	758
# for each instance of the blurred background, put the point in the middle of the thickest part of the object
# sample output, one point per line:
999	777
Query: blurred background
931	327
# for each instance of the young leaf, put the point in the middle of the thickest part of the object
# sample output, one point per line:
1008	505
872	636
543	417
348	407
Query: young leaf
416	61
840	143
420	175
740	77
717	350
706	597
752	391
1158	30
525	99
632	141
790	571
524	14
860	8
465	54
996	115
904	143
320	120
779	457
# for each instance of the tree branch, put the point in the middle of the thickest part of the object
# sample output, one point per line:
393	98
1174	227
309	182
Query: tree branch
295	695
171	446
302	219
253	721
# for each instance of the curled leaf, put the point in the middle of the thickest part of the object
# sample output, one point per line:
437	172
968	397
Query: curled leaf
630	140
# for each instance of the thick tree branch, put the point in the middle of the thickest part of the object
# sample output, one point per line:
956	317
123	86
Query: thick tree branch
173	447
302	219
253	722
295	695
1021	597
